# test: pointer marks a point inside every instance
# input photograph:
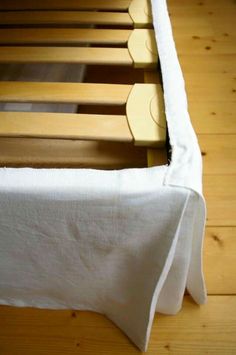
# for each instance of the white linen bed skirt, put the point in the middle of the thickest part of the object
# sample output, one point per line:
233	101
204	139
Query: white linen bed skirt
123	243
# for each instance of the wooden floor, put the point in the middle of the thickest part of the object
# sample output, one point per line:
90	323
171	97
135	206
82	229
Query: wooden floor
205	36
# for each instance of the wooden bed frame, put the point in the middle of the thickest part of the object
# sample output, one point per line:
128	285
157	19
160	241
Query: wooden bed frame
119	123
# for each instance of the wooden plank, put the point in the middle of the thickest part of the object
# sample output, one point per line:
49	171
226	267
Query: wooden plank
65	126
196	330
220	260
65	18
213	117
79	93
220	197
219	63
225	25
191	30
194	9
211	87
202	23
64	36
219	153
210	45
83	55
65	5
193	25
212	18
201	4
54	153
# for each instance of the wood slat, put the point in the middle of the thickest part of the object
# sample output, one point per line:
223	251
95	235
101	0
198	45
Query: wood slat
220	260
64	18
83	55
65	5
63	36
79	93
65	126
196	330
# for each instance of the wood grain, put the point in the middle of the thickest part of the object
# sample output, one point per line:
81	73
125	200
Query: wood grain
32	331
65	18
79	55
64	5
218	152
218	64
64	36
65	126
205	3
213	117
220	260
197	330
209	329
80	93
220	196
202	45
211	87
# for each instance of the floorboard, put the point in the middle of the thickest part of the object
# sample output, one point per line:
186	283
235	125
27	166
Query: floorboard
220	260
195	330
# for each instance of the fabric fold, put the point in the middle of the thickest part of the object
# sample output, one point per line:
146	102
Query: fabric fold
185	168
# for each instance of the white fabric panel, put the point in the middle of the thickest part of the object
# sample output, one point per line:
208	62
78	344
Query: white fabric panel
186	164
122	243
